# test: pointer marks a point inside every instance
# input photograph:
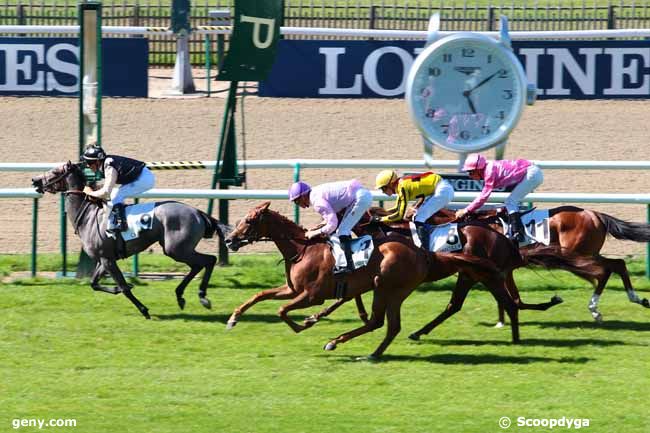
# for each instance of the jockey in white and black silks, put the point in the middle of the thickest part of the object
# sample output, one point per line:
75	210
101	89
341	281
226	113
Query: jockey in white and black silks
123	177
329	199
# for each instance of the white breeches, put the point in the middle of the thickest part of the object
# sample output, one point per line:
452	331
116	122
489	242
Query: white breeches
143	183
440	198
534	178
354	212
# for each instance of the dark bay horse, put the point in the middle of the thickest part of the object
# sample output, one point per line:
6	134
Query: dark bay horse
583	232
178	228
396	267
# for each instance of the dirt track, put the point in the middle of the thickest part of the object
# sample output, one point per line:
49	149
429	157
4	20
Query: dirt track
45	130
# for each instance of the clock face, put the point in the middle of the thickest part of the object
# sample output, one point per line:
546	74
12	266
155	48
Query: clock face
466	92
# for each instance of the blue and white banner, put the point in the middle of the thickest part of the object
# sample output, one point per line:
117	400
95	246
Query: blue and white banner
378	69
50	66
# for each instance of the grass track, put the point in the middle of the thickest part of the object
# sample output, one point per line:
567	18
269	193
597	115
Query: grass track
67	352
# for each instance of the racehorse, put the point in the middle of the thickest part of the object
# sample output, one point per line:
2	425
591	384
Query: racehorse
583	232
178	228
479	240
395	268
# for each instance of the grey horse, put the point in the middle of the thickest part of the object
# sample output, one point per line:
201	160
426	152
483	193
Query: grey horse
178	228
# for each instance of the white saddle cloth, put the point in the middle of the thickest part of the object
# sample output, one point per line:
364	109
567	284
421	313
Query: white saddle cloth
443	238
139	217
362	249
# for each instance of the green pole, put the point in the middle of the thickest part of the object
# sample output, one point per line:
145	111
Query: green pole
136	260
647	253
296	178
220	49
223	217
208	63
64	238
34	235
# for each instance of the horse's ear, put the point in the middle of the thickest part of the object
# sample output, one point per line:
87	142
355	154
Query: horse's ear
264	206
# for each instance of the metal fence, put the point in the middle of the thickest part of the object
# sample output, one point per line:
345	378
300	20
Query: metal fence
374	14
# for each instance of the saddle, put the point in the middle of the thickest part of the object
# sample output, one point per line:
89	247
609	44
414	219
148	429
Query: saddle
362	249
442	238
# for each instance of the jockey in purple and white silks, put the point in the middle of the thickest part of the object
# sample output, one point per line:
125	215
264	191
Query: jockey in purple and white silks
329	199
498	174
123	177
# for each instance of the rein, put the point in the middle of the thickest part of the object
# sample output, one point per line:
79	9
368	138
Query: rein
82	212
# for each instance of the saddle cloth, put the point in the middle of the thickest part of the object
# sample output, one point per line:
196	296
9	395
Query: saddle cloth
536	226
443	238
139	217
362	249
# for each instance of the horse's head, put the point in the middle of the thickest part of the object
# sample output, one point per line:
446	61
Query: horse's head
251	228
56	180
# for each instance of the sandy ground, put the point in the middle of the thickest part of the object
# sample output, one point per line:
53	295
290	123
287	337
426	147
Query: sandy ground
45	130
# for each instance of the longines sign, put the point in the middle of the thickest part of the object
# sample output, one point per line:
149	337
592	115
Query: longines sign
378	69
50	66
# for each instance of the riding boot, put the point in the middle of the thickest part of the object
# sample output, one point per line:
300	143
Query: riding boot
423	233
346	244
116	219
516	232
121	208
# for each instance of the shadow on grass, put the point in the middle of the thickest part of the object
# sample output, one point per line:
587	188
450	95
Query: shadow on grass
453	358
528	342
610	325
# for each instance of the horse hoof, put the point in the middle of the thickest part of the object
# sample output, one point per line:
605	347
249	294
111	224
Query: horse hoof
499	325
206	303
556	300
597	317
330	346
369	358
645	303
146	315
231	324
414	337
181	303
310	320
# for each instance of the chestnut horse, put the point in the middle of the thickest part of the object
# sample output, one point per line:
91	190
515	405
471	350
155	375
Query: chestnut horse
395	268
580	232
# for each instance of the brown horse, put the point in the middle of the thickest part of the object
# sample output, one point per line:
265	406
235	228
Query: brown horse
578	231
395	268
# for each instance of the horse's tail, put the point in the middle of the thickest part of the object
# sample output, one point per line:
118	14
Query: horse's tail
625	230
552	257
213	226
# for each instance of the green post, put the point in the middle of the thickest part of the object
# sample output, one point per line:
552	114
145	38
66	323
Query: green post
64	238
208	64
34	235
296	178
136	260
220	49
223	217
647	253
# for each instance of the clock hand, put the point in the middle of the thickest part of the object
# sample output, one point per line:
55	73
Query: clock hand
483	82
469	101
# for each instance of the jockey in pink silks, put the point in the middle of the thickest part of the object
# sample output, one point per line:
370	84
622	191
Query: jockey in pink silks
498	174
329	199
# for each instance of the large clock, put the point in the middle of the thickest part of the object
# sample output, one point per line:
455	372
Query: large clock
466	92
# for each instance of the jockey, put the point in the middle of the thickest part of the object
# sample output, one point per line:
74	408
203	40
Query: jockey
501	173
435	191
329	199
123	177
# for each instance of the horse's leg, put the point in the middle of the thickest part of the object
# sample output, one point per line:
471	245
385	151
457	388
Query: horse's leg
458	296
376	321
300	301
498	289
393	321
116	273
511	286
363	315
282	292
196	262
618	266
502	316
97	276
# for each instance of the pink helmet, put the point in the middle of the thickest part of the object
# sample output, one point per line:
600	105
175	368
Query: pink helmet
298	189
474	161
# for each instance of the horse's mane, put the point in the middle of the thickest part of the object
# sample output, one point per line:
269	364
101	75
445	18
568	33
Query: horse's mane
292	227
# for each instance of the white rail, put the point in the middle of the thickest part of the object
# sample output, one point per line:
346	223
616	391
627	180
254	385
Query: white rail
326	31
277	194
345	163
